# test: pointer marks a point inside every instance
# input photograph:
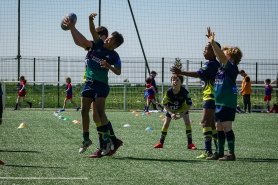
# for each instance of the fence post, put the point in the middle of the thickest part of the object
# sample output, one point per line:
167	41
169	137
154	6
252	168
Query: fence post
256	72
162	80
4	94
58	86
187	68
43	95
34	71
201	63
124	96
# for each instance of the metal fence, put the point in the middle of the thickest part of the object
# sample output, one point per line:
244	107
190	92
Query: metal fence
122	96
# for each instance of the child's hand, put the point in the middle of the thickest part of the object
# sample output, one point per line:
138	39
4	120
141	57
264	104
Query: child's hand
104	64
145	90
69	23
174	116
63	92
92	16
210	35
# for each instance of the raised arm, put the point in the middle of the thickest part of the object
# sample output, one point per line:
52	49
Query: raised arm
92	26
78	38
217	50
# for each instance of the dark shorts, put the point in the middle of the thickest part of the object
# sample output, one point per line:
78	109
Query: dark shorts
169	115
95	89
223	113
209	104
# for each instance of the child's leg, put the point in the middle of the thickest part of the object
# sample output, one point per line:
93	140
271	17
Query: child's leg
147	105
220	138
164	128
188	128
24	100
73	102
267	105
17	103
65	103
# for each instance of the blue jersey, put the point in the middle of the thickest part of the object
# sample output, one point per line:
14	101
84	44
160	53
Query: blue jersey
225	86
177	102
207	74
93	59
268	89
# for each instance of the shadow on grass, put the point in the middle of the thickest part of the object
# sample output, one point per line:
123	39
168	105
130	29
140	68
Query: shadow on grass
258	160
23	151
26	166
161	160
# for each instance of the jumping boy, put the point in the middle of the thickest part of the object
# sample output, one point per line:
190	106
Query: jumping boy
100	58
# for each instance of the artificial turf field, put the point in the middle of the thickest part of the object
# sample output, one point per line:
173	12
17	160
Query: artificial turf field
46	151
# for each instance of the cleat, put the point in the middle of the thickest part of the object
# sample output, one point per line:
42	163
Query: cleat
158	145
228	157
215	156
97	154
84	146
115	147
77	108
191	146
2	162
107	148
204	155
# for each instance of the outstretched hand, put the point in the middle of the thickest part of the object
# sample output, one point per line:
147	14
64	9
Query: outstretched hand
68	23
175	70
210	35
92	16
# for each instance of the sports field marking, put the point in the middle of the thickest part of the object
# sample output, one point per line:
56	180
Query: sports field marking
44	178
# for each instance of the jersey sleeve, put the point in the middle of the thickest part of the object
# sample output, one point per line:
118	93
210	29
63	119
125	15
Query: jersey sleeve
188	99
208	69
118	63
166	99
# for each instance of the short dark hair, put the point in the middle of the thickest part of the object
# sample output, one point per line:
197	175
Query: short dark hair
241	71
101	30
217	44
268	80
153	72
119	39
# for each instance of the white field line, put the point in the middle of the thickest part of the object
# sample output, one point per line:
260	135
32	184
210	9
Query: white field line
44	178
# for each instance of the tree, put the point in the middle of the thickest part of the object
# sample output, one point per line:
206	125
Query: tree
178	63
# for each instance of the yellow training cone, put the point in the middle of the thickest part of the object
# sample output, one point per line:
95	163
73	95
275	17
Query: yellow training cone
22	125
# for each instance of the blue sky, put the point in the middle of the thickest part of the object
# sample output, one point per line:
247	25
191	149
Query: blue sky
167	28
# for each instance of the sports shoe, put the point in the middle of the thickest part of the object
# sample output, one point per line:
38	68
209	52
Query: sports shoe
77	108
204	155
84	146
61	110
116	146
2	162
107	148
191	146
158	145
215	156
97	154
228	157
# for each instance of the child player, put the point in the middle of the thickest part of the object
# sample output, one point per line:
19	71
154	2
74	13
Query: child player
225	98
150	89
22	92
1	112
69	95
207	75
268	91
177	103
100	58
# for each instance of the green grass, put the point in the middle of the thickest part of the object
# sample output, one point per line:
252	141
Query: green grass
48	148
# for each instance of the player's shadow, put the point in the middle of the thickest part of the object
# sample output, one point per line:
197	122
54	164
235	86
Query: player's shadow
23	151
268	160
27	166
160	160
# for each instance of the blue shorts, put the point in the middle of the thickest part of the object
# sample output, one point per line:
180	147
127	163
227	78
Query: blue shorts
209	104
95	89
223	113
169	115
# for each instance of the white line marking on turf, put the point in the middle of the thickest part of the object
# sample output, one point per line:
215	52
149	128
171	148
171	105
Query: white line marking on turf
44	178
